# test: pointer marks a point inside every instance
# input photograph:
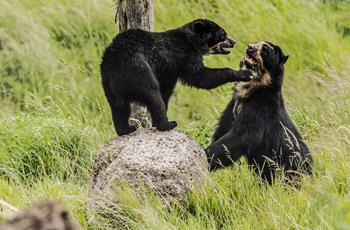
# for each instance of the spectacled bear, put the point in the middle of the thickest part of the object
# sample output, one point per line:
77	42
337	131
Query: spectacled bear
255	123
144	67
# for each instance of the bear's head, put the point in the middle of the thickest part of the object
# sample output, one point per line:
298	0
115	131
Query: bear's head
212	36
267	60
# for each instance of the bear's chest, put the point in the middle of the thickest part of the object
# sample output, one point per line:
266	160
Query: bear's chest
237	108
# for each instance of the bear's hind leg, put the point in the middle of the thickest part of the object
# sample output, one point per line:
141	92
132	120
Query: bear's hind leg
166	94
224	151
121	114
157	108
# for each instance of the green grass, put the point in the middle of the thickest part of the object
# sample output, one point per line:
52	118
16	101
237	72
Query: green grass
54	116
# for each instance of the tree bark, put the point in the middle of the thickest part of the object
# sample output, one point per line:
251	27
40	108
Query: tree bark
136	14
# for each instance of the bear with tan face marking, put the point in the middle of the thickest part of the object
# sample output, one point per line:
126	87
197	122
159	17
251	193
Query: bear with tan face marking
256	125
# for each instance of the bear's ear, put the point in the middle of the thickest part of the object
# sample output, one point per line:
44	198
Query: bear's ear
198	26
285	58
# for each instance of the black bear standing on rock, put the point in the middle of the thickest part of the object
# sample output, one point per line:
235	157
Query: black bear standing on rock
141	66
255	123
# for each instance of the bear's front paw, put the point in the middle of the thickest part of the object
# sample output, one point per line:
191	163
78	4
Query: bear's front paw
254	74
246	75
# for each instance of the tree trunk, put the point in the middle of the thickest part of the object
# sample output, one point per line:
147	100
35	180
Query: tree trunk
138	14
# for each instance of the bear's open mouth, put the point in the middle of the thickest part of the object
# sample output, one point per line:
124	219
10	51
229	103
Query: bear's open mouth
223	47
251	61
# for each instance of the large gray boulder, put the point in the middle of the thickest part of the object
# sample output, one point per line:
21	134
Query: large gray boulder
170	162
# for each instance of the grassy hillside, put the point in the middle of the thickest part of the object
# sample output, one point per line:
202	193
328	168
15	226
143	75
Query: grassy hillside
53	114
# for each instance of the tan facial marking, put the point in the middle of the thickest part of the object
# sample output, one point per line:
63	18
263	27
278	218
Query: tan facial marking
258	46
267	44
244	89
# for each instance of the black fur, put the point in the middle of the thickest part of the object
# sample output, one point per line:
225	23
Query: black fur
256	125
140	66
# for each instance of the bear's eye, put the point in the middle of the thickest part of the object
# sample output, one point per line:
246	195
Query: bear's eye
266	49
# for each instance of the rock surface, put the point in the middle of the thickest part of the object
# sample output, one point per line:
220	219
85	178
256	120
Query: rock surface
41	216
170	162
